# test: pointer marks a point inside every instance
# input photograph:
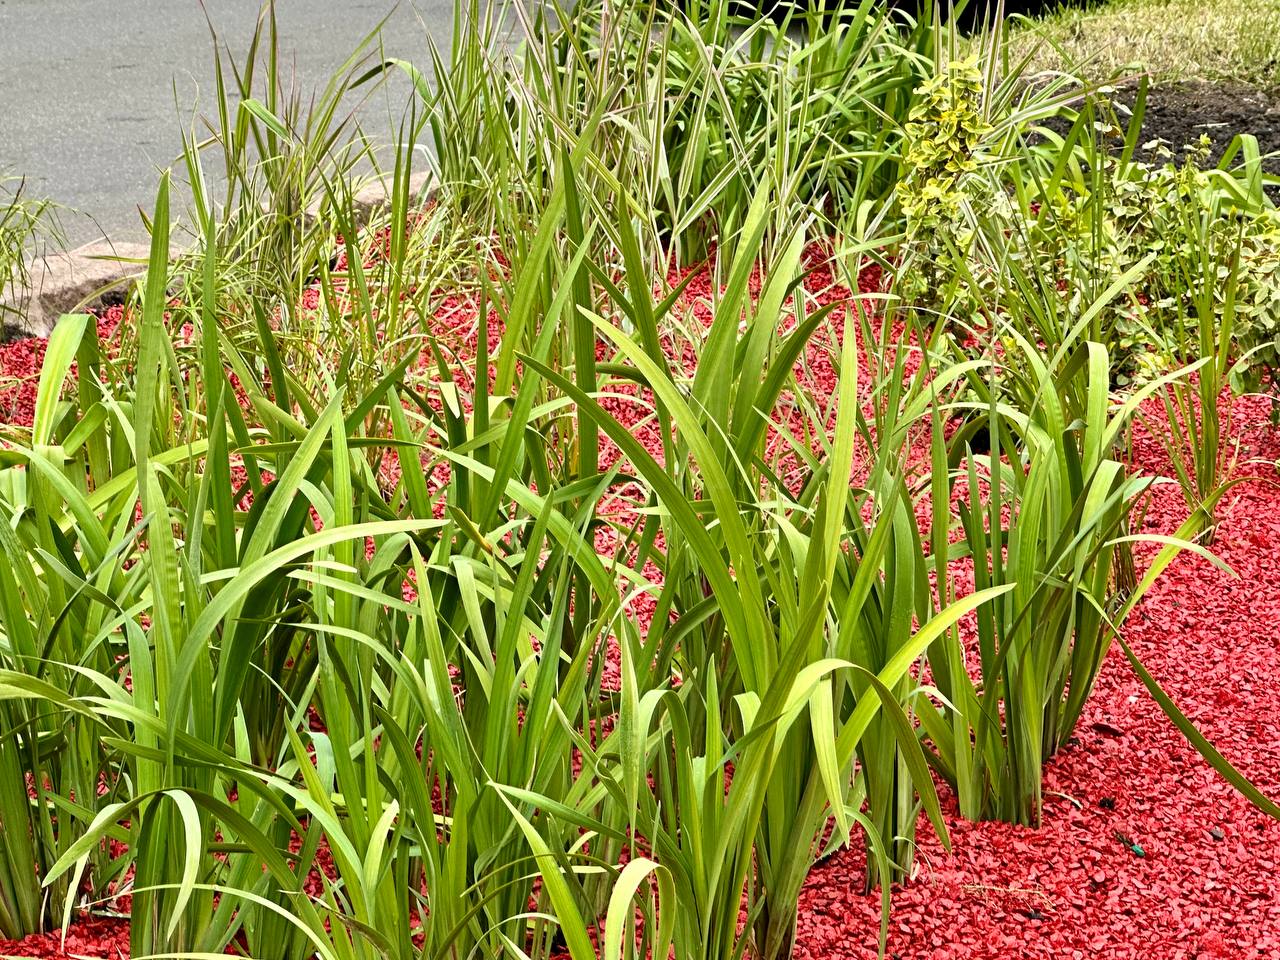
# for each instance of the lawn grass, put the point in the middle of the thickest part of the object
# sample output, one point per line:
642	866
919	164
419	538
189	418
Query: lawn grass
1172	40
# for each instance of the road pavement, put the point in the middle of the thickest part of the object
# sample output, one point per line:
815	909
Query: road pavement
94	94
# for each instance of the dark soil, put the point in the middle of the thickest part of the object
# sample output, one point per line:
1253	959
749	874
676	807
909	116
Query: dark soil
10	332
978	13
1180	113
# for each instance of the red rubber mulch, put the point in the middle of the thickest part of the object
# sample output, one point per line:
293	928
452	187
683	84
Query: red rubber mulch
99	937
1145	852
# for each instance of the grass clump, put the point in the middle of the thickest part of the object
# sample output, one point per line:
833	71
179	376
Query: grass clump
28	225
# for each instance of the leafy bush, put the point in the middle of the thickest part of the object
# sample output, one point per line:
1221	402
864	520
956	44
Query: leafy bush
945	133
1078	211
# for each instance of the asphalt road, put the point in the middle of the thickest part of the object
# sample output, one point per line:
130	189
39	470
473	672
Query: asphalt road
94	94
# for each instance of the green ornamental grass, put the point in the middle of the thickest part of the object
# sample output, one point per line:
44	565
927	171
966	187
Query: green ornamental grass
326	617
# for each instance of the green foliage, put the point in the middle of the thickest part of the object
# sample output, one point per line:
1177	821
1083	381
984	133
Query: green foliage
1160	236
1045	513
1151	213
26	223
54	759
693	110
1257	300
1069	271
328	599
945	135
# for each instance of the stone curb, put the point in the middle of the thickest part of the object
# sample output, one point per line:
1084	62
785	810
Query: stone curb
374	196
64	282
80	279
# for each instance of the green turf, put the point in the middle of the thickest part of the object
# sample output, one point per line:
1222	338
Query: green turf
1172	40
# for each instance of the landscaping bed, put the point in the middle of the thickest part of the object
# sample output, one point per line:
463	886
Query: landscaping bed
1142	846
1143	851
735	531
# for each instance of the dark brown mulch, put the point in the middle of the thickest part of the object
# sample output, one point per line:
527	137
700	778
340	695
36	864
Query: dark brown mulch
1180	113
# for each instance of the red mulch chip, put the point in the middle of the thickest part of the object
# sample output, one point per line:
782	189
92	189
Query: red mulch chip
99	937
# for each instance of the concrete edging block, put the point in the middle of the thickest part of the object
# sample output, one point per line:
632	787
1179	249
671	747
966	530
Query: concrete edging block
76	279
